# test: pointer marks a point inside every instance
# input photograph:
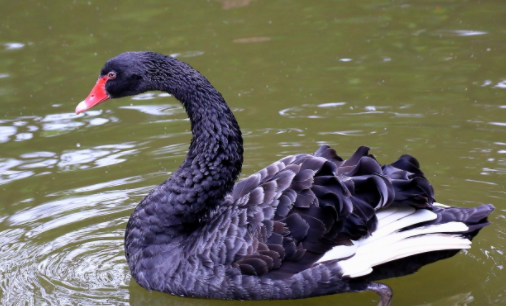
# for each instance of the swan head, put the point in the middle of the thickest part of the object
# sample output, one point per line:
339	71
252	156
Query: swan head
132	73
121	76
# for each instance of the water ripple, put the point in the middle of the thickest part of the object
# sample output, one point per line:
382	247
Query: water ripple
157	110
336	109
25	128
12	169
323	110
459	33
6	132
13	45
67	247
99	156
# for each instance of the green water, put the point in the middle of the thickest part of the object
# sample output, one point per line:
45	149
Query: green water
426	78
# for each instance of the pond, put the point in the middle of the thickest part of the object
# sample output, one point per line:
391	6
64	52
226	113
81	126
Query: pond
427	78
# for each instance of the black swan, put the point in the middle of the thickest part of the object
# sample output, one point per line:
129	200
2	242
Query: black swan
304	226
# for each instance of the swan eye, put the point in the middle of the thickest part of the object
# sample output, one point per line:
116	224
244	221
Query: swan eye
111	75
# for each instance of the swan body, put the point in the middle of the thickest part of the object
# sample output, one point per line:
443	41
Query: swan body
306	225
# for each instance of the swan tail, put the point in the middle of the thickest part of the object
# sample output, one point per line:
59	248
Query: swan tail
406	232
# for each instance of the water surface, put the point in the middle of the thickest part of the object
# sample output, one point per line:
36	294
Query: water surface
426	78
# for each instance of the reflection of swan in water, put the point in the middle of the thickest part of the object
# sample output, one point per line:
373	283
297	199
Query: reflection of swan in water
305	226
138	296
141	297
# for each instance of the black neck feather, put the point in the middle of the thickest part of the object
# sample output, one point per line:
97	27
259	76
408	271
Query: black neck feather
215	156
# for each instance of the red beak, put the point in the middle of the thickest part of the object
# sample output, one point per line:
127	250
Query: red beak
96	96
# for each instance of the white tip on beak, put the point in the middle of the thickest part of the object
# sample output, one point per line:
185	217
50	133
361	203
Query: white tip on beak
81	107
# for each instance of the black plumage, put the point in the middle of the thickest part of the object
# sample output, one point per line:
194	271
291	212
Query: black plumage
199	235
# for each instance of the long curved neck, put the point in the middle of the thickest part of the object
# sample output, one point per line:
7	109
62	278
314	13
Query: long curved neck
180	205
215	156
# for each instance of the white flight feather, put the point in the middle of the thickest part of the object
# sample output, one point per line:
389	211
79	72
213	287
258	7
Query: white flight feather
387	224
385	212
360	265
383	229
399	213
387	243
440	205
450	227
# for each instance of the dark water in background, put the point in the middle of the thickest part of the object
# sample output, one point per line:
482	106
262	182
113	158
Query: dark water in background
426	78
